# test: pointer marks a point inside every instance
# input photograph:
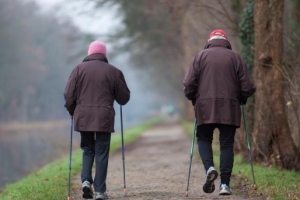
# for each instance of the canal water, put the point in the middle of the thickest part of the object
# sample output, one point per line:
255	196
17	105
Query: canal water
25	148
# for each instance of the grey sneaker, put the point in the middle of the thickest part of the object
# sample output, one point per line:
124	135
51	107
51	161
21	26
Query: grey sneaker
211	176
87	190
224	189
101	195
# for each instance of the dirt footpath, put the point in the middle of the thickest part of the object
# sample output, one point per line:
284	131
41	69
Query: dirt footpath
157	168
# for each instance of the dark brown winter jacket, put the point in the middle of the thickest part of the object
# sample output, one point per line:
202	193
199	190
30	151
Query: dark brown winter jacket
217	82
90	93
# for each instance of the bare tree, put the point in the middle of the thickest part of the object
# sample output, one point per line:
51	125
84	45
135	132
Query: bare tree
271	134
291	68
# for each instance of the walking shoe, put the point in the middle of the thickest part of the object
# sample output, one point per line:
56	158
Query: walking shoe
101	195
211	176
87	190
224	189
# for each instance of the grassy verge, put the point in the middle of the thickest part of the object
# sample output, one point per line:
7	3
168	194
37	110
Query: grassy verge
272	183
51	182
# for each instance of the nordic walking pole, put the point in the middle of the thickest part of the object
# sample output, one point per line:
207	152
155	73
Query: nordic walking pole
249	147
70	159
123	153
191	158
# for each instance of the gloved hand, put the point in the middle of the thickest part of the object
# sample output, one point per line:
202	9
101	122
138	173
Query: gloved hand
194	102
243	101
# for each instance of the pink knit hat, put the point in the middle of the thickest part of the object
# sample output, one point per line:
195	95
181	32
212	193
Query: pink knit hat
97	47
218	34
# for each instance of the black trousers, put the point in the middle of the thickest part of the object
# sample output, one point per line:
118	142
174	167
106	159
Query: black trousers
204	140
95	146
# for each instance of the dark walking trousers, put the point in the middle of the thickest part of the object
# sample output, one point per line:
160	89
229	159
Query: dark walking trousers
95	145
226	138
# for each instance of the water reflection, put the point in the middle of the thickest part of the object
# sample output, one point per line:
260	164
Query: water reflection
22	152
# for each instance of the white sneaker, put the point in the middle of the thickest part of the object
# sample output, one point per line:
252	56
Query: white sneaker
101	195
211	176
224	190
87	190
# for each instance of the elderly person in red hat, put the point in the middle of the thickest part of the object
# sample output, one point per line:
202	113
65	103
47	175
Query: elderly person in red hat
92	88
217	83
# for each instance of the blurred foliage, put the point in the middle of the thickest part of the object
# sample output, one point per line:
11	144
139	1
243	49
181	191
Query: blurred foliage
153	38
246	33
34	60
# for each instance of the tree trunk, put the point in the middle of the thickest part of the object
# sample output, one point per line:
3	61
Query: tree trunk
271	133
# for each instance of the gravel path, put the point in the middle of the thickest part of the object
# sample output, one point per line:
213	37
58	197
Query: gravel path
157	168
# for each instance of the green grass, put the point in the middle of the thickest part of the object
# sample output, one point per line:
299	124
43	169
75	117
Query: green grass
272	183
51	182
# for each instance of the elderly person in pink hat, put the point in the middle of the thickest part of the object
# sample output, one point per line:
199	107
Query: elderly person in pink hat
92	88
217	82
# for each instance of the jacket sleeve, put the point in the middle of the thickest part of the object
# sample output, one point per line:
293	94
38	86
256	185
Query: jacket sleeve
247	87
190	81
70	92
121	92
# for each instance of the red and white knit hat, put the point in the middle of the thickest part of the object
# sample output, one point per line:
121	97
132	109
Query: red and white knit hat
218	34
97	47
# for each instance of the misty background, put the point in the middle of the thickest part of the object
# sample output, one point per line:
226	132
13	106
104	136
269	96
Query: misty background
41	42
153	43
44	46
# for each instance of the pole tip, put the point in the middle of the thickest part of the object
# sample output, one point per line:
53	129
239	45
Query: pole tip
69	198
254	186
186	194
125	193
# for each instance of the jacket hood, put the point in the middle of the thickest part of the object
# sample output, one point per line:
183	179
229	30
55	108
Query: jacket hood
218	43
96	56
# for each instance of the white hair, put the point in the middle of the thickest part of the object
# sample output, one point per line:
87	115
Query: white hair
216	37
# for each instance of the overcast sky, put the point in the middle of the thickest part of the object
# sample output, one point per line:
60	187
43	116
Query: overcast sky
100	21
